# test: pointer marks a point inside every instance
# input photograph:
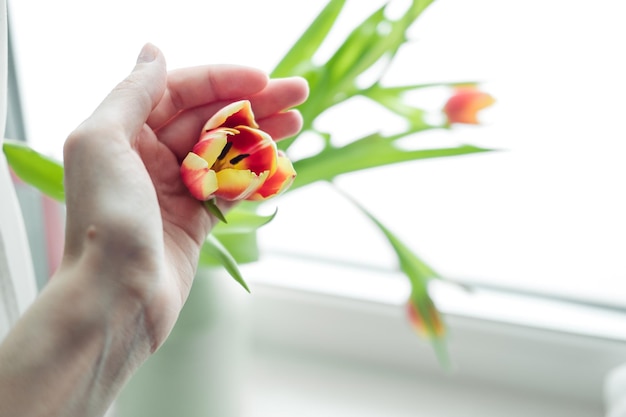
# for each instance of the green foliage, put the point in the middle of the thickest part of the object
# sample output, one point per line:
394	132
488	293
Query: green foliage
370	152
335	81
213	250
376	40
40	171
299	58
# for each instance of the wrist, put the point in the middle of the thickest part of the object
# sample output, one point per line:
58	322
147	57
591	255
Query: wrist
72	351
92	307
119	281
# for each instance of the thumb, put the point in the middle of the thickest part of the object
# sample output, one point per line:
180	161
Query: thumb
129	104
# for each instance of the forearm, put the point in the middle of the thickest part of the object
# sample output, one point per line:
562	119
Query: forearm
73	350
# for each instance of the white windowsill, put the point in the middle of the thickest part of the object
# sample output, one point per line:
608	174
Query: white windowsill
341	354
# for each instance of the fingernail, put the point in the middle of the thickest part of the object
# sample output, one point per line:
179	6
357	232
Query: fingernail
148	54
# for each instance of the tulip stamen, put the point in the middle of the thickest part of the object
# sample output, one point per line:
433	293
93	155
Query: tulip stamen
239	158
225	151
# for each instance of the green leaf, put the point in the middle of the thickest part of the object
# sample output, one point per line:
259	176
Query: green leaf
394	101
401	89
243	246
211	206
377	37
213	250
361	49
392	98
243	218
298	60
35	169
416	9
368	152
419	274
238	236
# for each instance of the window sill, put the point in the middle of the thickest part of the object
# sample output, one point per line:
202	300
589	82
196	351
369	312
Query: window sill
508	352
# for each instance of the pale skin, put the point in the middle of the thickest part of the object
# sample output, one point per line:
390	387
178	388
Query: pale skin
133	235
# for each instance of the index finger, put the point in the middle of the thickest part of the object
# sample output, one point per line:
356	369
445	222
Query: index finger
196	86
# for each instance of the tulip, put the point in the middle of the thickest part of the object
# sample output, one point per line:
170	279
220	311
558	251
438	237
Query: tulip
425	319
235	160
463	106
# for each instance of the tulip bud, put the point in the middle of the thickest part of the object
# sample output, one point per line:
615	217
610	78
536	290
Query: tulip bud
463	106
235	160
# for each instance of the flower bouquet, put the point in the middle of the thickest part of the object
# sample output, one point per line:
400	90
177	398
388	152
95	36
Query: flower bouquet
233	160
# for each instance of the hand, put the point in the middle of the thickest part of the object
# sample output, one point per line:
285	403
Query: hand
133	235
126	204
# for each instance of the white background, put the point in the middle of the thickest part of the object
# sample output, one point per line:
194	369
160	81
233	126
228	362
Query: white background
545	214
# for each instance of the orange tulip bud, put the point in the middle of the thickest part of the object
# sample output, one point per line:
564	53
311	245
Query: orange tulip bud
425	319
463	106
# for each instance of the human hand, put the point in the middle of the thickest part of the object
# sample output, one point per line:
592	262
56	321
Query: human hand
133	235
127	210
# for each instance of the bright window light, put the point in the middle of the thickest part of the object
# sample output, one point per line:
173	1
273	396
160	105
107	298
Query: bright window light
545	213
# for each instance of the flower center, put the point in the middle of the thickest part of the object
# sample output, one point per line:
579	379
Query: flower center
226	159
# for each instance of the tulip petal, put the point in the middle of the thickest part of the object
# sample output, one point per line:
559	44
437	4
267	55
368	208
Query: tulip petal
198	177
212	144
237	184
235	114
277	182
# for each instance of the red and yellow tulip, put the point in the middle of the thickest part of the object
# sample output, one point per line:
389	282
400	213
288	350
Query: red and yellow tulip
463	106
235	160
425	319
